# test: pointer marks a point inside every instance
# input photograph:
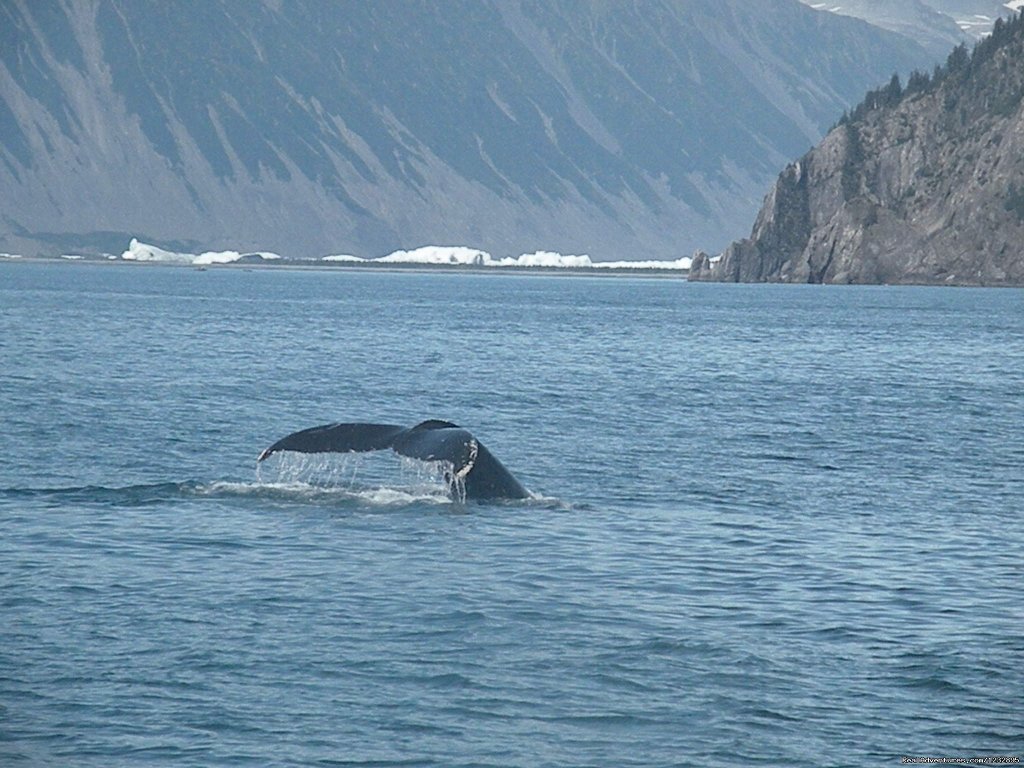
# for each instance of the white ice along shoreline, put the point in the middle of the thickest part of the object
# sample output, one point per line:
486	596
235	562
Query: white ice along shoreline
451	255
441	255
458	255
138	251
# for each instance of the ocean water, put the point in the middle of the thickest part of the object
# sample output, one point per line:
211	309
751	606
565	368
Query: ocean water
774	525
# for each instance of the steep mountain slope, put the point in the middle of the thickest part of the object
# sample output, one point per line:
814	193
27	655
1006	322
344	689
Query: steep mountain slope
914	19
924	185
620	130
975	17
936	24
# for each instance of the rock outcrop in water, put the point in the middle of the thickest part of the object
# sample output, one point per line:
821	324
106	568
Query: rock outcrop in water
918	185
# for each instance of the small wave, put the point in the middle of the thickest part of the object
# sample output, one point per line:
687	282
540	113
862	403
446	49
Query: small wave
307	492
146	493
551	503
155	493
418	491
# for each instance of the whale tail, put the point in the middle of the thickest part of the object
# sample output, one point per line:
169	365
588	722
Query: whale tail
470	465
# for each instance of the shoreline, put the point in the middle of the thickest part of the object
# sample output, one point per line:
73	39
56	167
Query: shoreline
312	265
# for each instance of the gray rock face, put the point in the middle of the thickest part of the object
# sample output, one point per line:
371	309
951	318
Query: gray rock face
921	186
307	127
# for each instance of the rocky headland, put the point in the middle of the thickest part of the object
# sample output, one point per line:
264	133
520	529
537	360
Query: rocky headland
918	184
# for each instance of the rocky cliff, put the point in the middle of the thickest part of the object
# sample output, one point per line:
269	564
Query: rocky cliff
917	185
626	131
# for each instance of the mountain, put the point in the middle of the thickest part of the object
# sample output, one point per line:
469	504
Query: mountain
975	17
938	25
916	185
621	130
915	19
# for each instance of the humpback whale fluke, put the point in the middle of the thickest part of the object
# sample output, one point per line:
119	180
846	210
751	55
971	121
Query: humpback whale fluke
473	467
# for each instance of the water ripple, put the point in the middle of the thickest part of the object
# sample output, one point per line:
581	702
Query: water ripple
774	525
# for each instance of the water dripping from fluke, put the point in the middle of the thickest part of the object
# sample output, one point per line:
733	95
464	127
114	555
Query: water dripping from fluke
356	477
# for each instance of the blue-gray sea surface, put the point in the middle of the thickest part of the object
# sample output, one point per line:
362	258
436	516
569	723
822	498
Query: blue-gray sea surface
775	525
